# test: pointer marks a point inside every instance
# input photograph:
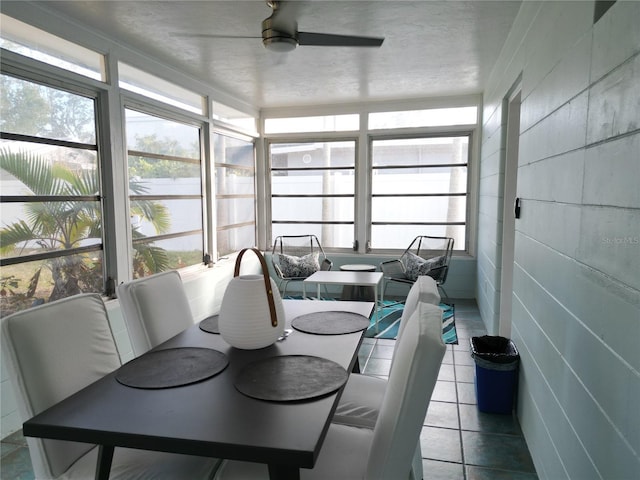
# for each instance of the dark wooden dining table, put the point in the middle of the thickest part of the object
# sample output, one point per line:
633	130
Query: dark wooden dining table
211	417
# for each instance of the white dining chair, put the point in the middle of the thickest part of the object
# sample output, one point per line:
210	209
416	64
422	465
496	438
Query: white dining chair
155	308
362	397
54	350
386	451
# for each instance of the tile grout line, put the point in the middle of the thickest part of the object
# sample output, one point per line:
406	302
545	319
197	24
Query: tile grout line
455	379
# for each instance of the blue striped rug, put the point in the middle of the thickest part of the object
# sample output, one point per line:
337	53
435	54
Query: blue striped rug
390	322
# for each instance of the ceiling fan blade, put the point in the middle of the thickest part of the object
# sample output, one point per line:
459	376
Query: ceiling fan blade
330	40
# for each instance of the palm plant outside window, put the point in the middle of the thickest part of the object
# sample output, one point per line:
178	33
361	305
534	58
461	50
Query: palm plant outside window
51	238
165	193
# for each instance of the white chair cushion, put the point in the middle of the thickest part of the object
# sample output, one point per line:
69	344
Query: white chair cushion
155	309
360	401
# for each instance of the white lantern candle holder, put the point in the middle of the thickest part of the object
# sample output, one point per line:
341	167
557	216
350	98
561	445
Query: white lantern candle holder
252	314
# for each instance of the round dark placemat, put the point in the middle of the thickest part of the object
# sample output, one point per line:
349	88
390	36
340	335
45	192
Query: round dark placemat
290	378
330	323
210	324
172	367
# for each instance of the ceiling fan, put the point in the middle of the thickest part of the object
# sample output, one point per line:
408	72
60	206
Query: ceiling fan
280	32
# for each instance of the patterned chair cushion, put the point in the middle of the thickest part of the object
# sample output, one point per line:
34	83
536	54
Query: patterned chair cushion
415	266
299	267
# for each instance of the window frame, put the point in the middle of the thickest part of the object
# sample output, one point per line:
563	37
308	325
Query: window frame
420	134
215	195
59	79
168	112
312	138
363	187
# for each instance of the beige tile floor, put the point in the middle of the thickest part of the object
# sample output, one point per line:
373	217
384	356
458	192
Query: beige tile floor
458	441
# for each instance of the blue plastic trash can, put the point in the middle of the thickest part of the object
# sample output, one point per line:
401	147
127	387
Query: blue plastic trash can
496	380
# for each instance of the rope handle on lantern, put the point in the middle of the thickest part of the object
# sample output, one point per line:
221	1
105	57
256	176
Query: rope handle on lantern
267	281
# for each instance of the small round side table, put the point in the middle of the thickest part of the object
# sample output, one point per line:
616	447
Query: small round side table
356	292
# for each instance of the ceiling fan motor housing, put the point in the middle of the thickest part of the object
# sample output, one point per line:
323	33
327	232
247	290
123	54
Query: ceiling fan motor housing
276	40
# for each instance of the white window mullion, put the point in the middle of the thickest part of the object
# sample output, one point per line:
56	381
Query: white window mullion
116	204
363	190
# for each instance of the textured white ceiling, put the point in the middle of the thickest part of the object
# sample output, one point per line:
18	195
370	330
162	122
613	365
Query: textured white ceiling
431	48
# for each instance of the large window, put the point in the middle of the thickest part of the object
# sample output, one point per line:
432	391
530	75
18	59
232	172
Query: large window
418	187
313	190
235	193
165	193
51	238
411	177
68	224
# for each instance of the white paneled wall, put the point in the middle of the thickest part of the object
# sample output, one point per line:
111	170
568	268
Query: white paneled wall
576	293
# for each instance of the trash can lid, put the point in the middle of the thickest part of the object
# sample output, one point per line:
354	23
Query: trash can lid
494	348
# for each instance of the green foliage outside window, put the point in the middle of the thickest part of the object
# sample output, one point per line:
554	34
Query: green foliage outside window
146	167
34	110
52	225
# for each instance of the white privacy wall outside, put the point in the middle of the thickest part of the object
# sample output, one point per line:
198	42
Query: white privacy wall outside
576	285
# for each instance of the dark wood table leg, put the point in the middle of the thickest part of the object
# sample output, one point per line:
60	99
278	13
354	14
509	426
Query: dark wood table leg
103	468
283	472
